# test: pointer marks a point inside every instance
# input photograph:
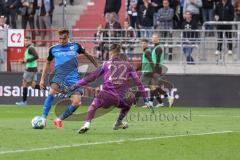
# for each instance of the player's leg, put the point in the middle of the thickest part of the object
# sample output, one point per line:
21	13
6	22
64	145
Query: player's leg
165	91
76	101
159	92
34	84
90	115
25	92
119	124
153	93
27	78
48	101
104	99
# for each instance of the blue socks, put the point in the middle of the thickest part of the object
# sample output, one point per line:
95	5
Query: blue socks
47	105
69	111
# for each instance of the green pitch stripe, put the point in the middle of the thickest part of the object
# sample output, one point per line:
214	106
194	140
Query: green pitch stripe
109	142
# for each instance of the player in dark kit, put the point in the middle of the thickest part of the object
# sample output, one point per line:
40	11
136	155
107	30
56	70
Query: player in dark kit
116	73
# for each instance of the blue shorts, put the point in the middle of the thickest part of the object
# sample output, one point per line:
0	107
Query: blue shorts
62	85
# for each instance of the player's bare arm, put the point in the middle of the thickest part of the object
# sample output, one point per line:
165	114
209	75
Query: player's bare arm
44	73
91	58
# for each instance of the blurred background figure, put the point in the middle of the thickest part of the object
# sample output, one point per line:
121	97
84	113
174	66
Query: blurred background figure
163	21
99	42
129	37
193	6
207	11
112	6
224	11
132	13
28	10
61	2
145	12
237	10
46	8
2	10
189	36
11	12
3	24
112	33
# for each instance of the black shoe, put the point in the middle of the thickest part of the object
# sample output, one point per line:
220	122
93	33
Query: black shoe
60	4
121	125
83	130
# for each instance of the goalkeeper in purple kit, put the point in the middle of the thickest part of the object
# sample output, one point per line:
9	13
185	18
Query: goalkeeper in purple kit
116	73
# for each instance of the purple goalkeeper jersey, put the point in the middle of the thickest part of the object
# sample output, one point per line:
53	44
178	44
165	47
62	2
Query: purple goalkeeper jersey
117	73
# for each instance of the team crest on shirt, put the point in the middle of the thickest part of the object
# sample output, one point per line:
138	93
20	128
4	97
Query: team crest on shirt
72	47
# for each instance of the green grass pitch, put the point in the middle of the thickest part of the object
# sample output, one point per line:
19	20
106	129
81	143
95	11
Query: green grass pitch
174	134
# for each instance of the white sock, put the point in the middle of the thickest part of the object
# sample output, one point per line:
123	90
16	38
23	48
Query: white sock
87	124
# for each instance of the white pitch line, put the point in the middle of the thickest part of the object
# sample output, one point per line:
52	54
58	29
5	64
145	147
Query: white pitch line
108	142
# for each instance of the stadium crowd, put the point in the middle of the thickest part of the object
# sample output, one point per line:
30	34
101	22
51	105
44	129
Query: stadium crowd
142	15
35	12
145	16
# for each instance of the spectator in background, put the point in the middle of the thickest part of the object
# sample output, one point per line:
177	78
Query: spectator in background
153	64
112	6
11	12
194	7
28	9
224	11
61	2
163	20
189	36
207	11
3	55
2	10
237	10
145	13
112	33
46	8
132	12
30	73
129	37
157	4
3	24
181	11
175	5
99	42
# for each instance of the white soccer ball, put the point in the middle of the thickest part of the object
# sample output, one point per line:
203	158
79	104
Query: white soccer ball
38	122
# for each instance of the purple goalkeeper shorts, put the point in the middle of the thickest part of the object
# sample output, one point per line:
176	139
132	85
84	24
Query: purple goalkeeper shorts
107	99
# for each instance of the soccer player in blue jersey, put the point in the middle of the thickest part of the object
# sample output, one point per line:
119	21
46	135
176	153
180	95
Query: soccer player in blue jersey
65	73
116	73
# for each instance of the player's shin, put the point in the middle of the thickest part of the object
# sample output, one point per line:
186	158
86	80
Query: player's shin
47	105
25	92
69	111
121	116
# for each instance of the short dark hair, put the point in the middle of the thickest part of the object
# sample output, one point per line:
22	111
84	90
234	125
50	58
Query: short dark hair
144	40
28	37
63	31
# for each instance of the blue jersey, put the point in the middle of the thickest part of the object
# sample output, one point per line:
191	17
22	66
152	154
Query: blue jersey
66	63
